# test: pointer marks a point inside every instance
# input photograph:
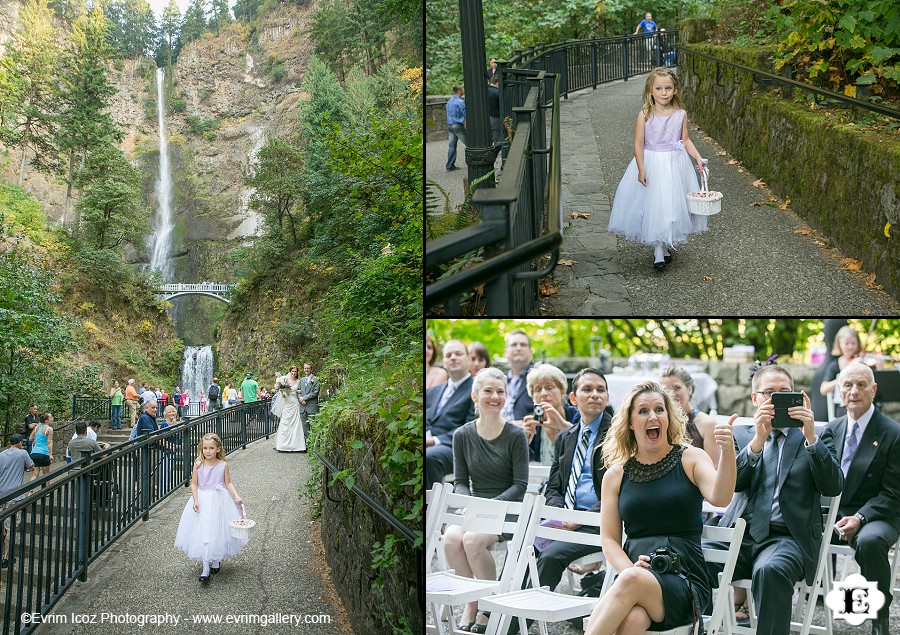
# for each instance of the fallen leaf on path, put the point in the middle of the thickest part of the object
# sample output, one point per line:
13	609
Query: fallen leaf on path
733	162
580	215
773	199
546	289
785	206
706	278
721	153
566	262
870	282
887	230
866	312
803	232
821	244
851	265
759	183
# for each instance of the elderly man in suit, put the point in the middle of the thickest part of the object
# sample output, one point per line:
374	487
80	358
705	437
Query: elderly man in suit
447	407
868	444
518	402
784	522
309	396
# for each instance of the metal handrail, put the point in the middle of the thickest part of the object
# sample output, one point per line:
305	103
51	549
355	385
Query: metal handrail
851	101
395	522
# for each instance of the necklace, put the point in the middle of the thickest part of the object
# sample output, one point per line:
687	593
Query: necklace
638	472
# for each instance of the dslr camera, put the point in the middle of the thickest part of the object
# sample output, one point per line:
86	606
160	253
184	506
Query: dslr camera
662	561
539	413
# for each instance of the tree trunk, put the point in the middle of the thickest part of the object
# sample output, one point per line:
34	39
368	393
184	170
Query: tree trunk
69	188
22	165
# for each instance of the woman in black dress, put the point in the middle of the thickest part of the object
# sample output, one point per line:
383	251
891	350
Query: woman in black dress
655	484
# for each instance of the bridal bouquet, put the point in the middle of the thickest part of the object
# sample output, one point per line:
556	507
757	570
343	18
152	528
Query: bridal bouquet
283	384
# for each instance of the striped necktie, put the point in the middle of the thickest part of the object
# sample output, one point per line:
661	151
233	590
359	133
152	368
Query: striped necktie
577	467
850	448
761	514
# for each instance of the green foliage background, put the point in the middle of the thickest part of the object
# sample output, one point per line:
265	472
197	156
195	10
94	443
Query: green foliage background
687	338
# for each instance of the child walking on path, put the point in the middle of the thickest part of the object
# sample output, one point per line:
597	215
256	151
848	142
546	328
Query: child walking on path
650	205
204	533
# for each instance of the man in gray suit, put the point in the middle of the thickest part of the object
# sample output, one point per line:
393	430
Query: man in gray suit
309	396
868	442
784	522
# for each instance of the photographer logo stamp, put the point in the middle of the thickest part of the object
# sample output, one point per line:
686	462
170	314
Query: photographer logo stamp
855	600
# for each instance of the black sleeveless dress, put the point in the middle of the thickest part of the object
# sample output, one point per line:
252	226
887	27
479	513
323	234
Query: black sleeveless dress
660	507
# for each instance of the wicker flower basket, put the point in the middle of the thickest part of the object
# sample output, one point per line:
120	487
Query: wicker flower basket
243	527
705	202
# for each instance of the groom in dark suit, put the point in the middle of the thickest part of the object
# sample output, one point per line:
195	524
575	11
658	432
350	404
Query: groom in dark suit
868	442
309	396
784	522
447	407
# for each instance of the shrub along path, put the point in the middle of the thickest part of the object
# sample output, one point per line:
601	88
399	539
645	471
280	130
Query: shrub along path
751	261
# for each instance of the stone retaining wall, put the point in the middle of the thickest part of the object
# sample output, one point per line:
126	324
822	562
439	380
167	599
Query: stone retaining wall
436	117
349	529
841	181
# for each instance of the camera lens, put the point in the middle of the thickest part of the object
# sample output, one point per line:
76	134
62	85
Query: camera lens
538	412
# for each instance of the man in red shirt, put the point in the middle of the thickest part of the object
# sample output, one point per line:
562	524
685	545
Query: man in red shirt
132	399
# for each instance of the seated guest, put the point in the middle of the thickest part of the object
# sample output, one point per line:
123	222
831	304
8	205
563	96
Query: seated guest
447	407
546	385
478	357
654	486
572	472
700	426
784	523
490	460
518	404
868	444
434	374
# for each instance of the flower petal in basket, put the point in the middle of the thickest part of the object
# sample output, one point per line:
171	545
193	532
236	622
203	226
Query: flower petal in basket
705	202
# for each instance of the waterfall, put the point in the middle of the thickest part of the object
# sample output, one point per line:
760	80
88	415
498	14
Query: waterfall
196	370
162	234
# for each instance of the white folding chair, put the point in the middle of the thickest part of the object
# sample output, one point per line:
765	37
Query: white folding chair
433	502
540	603
443	588
829	400
731	537
808	594
537	476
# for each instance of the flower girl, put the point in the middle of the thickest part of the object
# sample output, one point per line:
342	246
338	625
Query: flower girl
204	533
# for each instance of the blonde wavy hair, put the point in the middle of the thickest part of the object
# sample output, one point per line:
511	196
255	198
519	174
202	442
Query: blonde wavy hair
210	436
620	443
649	102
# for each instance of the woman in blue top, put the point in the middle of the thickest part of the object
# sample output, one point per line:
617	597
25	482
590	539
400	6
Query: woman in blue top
42	446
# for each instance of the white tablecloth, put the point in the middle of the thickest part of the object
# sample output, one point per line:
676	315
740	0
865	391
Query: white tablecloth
705	387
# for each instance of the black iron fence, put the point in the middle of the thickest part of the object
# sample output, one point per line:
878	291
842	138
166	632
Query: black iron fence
57	525
521	219
84	408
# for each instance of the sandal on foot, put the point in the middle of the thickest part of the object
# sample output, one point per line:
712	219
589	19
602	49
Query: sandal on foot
481	628
742	615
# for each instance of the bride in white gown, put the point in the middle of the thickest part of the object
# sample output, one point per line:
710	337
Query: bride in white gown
290	437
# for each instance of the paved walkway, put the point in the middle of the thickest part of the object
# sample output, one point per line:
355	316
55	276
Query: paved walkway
282	571
750	262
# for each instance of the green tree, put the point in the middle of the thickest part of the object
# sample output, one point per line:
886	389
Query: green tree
246	10
85	121
279	189
132	29
194	23
169	29
32	331
219	15
111	204
31	73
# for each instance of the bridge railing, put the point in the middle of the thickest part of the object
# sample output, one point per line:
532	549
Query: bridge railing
521	227
208	286
100	408
68	518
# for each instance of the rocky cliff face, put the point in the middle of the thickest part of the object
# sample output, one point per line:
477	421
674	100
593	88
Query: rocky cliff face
228	78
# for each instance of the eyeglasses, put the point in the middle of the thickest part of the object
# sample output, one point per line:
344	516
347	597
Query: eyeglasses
765	394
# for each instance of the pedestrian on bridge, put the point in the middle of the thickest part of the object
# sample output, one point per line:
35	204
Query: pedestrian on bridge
42	446
116	397
131	400
650	205
456	125
14	462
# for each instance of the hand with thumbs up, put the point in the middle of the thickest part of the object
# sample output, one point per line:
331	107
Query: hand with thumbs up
725	435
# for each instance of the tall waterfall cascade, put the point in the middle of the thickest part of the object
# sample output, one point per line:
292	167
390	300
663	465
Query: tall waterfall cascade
196	370
162	234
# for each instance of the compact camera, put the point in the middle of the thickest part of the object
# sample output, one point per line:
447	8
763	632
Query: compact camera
662	561
539	412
